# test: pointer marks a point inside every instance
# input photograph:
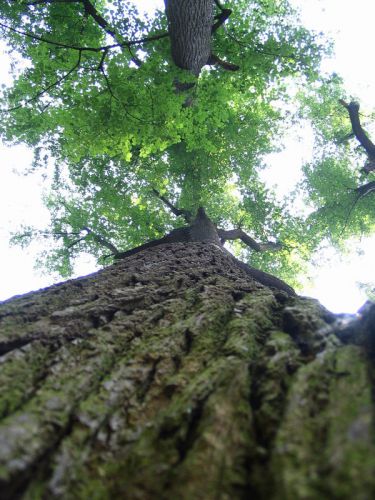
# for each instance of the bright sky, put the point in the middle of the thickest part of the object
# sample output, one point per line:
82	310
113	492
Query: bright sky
351	26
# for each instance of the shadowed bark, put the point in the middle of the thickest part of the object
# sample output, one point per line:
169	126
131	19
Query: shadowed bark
203	229
173	374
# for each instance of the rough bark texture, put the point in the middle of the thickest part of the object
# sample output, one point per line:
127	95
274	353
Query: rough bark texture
190	25
174	375
203	229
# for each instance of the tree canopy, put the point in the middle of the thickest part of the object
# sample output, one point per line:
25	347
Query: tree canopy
99	98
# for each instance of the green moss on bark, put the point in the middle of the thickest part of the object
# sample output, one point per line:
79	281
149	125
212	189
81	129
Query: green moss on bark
173	374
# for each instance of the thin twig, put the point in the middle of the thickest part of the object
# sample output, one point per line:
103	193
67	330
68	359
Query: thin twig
85	49
259	51
46	89
110	90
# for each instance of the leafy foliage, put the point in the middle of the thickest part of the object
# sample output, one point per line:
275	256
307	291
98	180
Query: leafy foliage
101	104
333	180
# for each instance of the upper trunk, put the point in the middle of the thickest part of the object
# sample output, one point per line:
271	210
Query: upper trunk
173	374
190	24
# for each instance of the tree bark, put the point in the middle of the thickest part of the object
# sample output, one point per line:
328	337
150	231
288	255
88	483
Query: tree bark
190	26
173	374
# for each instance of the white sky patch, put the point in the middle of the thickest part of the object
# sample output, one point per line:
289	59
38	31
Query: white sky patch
283	170
351	26
346	272
20	203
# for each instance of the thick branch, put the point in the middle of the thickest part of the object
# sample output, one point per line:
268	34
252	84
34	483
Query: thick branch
213	59
221	18
203	229
265	278
366	189
90	9
239	234
353	110
179	235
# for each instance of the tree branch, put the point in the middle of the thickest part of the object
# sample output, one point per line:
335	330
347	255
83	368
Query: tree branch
114	96
186	214
361	192
239	234
259	51
178	235
353	110
102	241
74	243
366	189
51	42
213	59
221	18
41	2
129	43
90	10
46	89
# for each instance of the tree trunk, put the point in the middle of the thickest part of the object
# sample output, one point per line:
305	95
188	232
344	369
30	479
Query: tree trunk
173	375
190	25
